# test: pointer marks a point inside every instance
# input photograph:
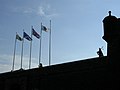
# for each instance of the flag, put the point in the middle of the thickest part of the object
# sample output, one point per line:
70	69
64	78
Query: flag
35	33
44	28
26	36
18	37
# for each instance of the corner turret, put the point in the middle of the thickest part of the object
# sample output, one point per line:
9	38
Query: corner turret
111	25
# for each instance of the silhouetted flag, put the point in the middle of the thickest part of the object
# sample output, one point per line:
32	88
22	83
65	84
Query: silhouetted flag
35	33
18	37
26	36
44	28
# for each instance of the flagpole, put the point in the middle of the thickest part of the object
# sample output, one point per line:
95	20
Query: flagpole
22	51
50	45
40	49
14	53
30	49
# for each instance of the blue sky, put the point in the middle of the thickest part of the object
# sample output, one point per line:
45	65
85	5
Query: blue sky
76	29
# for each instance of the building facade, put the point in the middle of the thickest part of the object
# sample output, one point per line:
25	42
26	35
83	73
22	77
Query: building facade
98	73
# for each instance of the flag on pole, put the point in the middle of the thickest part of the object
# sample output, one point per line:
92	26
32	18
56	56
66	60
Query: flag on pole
44	28
18	37
35	33
26	36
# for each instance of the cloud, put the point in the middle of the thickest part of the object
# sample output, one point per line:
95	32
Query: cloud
41	11
25	10
46	11
28	10
6	62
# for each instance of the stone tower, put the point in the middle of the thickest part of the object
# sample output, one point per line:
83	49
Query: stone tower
111	25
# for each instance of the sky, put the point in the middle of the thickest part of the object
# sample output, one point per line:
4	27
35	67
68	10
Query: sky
76	27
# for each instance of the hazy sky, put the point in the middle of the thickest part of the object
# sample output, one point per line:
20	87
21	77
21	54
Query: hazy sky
76	29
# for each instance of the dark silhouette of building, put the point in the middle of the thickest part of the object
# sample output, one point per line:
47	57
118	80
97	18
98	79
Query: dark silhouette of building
112	37
98	73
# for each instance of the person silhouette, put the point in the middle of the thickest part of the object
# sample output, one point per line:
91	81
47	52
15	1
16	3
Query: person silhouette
100	53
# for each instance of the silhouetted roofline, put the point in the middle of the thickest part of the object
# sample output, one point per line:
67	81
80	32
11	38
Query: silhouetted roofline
81	65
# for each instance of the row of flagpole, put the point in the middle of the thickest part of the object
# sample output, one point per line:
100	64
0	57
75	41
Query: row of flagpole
30	38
